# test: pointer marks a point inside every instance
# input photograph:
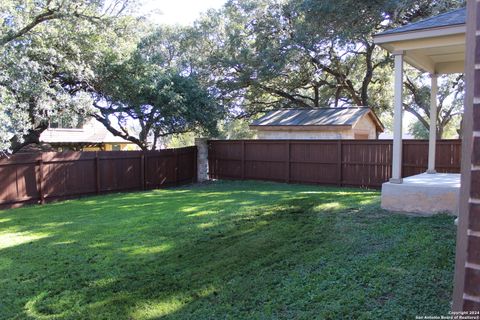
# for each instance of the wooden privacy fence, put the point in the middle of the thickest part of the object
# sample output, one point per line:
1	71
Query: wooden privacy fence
364	163
39	177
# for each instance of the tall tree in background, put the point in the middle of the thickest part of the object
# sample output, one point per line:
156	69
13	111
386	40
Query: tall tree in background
60	56
155	94
450	102
49	50
304	53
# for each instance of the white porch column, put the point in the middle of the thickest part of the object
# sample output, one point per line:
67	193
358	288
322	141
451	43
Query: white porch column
397	119
433	124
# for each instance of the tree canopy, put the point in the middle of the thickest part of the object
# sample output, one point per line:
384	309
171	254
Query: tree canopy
305	53
154	94
76	59
50	50
92	58
449	102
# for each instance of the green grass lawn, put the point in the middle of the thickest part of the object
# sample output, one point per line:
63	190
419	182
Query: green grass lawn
225	250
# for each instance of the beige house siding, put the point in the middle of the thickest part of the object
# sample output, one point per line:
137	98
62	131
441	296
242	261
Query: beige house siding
109	147
364	126
93	136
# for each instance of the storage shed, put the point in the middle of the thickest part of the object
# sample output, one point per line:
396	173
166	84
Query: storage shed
321	123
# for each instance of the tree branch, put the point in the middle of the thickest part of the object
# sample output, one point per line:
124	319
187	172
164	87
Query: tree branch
122	134
49	14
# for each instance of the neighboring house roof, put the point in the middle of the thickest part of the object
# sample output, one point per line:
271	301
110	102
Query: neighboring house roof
455	17
93	132
316	117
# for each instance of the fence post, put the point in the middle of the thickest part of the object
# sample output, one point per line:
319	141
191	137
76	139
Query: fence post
339	162
202	159
97	173
176	166
40	180
195	168
288	162
243	160
142	170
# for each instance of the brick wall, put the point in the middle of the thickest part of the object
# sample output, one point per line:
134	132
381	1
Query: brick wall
471	296
467	271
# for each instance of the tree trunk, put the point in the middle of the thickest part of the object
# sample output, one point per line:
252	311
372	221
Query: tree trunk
460	130
142	143
440	130
33	136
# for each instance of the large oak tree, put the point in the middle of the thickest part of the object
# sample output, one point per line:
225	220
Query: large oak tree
49	50
155	93
261	55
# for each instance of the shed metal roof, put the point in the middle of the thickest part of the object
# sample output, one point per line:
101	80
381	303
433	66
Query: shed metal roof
455	17
315	117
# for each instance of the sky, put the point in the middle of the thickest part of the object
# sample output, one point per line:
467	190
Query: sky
182	12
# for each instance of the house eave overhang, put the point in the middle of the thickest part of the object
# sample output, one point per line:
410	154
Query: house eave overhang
438	50
383	38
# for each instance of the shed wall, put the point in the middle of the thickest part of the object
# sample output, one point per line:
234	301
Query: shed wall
308	135
365	126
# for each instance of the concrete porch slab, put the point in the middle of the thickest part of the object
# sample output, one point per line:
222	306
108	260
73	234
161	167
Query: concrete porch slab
423	193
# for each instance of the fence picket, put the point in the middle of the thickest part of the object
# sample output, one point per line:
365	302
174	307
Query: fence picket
41	190
30	178
97	173
364	163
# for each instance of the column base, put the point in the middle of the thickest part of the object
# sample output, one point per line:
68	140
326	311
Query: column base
396	180
431	171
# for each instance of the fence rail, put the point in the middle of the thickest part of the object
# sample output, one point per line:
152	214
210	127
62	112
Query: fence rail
364	163
40	177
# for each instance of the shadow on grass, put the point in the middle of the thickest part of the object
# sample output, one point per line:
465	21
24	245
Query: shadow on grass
239	250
